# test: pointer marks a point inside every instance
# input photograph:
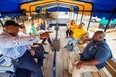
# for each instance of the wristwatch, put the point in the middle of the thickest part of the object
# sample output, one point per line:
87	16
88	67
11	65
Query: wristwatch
31	38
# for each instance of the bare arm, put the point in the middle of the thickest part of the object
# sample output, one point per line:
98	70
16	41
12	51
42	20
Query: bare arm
87	63
91	62
9	42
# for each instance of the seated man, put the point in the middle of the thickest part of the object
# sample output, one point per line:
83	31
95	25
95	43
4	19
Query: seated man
78	33
93	57
17	50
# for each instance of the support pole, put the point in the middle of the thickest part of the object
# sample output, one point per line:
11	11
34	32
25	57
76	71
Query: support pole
1	23
114	11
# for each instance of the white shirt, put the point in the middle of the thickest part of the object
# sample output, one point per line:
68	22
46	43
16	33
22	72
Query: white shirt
23	34
14	47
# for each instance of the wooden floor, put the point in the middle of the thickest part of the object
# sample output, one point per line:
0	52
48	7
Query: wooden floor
61	57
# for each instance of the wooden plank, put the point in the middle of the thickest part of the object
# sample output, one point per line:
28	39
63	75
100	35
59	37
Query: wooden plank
106	72
48	63
65	53
112	63
95	74
87	74
102	74
110	69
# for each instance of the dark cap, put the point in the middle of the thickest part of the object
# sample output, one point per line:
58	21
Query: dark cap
10	22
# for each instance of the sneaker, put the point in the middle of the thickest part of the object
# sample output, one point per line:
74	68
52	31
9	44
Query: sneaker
69	49
44	43
65	46
46	53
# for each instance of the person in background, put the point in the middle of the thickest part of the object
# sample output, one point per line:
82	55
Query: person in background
42	26
68	31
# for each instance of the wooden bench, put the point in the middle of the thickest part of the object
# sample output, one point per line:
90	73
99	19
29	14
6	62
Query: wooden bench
110	66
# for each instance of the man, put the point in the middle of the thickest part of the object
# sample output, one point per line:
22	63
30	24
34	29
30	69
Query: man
33	31
78	32
17	50
93	57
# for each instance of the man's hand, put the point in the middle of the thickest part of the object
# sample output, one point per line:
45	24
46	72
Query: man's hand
35	45
32	52
79	65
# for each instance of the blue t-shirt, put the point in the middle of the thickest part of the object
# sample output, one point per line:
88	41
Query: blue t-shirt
42	27
99	51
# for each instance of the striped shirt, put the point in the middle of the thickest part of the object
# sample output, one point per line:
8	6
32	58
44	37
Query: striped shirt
14	47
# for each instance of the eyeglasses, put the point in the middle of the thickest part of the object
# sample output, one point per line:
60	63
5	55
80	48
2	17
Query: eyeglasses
22	27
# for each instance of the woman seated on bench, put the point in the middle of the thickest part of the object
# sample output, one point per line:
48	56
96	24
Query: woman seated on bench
93	57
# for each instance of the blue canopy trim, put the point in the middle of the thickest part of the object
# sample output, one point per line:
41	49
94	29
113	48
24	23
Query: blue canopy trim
57	7
11	7
54	9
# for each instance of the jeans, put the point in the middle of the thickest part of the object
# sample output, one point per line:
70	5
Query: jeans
74	42
27	62
39	53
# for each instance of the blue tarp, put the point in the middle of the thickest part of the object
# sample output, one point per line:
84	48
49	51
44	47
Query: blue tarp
107	5
10	6
103	5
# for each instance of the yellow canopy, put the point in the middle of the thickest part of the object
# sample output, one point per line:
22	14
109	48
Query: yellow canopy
32	5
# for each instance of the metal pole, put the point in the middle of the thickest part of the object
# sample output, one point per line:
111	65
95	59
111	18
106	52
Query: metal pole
89	21
54	61
114	11
90	18
71	15
82	15
1	23
54	64
76	17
